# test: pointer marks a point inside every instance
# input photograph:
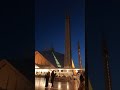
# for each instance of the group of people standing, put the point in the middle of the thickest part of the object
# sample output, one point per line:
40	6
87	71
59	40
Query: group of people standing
50	77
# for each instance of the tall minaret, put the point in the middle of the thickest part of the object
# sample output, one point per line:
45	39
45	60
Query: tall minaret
108	85
67	58
86	62
79	56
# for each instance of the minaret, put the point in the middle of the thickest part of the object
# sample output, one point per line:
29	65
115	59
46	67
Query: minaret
108	85
67	57
79	56
86	62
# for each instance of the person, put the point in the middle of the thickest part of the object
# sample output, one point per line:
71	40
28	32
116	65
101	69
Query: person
52	77
81	86
47	76
81	78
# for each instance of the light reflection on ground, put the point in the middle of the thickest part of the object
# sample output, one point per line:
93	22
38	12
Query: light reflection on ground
40	85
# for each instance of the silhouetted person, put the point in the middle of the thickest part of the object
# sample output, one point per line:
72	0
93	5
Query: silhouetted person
81	82
52	77
47	76
81	78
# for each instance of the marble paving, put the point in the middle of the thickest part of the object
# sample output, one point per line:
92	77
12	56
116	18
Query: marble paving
40	85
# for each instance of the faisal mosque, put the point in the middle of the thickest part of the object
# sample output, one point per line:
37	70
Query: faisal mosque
50	59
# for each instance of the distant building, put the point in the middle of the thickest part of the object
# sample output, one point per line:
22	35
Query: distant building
48	60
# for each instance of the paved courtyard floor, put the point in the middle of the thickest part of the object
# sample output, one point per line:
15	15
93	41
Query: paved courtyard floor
40	85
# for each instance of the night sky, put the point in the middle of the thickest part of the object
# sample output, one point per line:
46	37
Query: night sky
18	34
103	16
50	26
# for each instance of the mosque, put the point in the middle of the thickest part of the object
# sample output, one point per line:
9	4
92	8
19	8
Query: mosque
50	59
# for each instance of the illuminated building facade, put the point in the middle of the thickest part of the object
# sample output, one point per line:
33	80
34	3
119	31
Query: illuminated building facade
49	60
